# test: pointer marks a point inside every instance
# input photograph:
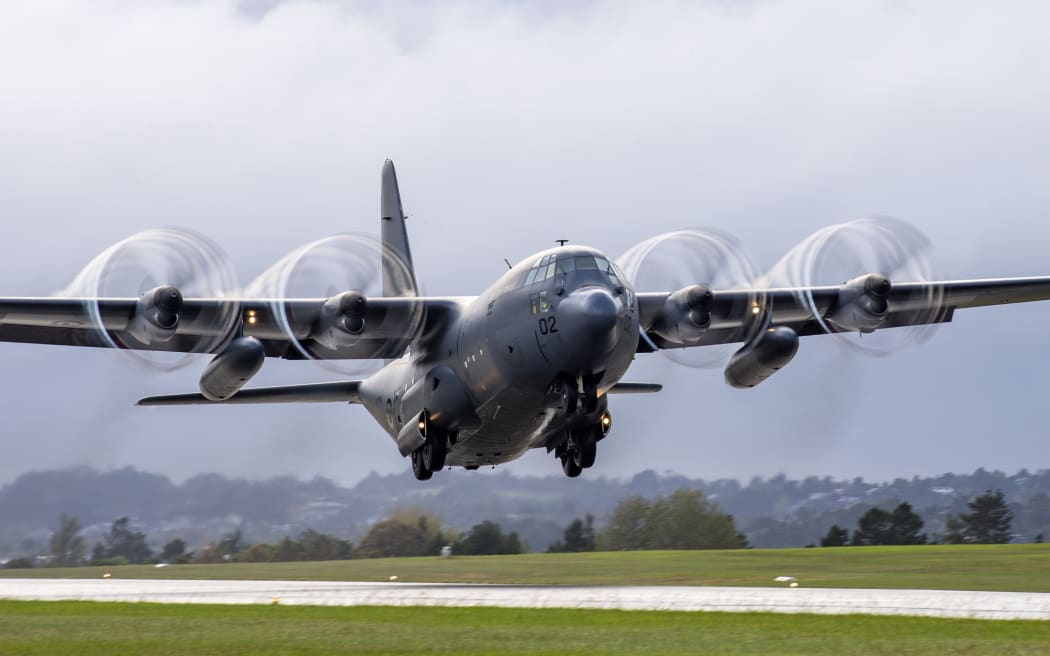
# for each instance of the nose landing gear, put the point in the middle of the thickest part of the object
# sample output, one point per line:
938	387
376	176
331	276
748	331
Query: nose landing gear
578	394
580	447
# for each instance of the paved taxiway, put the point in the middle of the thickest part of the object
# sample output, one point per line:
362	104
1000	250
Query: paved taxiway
929	603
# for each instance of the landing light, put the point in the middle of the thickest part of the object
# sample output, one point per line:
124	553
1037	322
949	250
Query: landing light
755	309
606	420
251	316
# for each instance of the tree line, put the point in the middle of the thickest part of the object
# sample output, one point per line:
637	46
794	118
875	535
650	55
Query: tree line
681	520
988	522
405	533
684	519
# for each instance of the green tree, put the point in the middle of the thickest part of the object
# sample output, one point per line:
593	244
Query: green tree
174	551
487	538
390	538
321	546
884	527
873	527
257	553
989	519
288	550
906	525
67	546
627	527
836	537
407	532
579	536
123	542
683	520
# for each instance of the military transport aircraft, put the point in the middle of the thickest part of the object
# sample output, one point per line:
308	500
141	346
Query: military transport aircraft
529	363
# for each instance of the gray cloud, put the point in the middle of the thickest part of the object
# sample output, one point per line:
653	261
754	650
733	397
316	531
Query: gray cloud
264	124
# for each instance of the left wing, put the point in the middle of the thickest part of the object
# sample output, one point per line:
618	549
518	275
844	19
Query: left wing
203	325
804	310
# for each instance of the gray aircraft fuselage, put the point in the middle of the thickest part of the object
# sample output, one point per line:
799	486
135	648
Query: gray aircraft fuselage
564	315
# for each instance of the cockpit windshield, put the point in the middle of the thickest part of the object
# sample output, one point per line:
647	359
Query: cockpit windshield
549	266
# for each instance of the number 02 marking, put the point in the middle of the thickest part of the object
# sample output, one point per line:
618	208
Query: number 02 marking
548	325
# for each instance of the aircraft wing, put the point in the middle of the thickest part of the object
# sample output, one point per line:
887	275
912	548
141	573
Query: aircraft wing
909	304
286	329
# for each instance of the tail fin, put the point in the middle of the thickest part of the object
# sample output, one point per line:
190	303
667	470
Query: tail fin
399	276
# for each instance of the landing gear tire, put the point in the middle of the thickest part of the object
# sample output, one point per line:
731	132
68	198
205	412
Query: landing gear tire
570	396
430	457
434	451
586	450
569	465
419	469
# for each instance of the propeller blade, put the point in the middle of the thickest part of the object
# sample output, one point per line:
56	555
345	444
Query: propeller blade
169	262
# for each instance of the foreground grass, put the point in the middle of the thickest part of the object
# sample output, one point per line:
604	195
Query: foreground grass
1021	568
111	629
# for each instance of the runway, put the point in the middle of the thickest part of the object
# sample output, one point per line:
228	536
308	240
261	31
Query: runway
927	603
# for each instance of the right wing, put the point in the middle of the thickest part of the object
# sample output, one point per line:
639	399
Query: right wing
909	304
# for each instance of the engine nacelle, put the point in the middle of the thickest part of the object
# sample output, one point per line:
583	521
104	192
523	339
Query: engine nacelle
156	317
686	315
862	304
228	371
342	320
761	358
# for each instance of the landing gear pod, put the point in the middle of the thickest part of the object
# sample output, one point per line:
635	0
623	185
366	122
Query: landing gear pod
227	373
761	358
413	434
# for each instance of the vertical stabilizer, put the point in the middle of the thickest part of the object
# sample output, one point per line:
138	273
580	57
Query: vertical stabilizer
399	276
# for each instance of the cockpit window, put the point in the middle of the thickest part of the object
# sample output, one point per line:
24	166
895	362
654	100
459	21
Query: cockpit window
552	265
585	262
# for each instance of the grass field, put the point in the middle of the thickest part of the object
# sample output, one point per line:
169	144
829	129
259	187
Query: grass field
1021	568
110	629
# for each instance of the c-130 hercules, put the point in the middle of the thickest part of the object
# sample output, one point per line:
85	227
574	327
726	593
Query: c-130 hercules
529	363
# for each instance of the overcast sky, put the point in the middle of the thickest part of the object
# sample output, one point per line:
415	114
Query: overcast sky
264	125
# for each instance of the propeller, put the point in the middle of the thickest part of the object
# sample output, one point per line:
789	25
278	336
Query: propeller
699	259
873	259
342	273
161	267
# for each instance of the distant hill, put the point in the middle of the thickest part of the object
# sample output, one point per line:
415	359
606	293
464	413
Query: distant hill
772	512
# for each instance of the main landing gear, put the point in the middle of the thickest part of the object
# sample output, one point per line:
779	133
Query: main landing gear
430	457
580	447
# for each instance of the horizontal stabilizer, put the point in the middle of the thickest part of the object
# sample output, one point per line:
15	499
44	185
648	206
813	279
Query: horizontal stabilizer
344	392
635	388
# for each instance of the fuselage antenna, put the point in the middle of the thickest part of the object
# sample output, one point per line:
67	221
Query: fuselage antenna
562	242
508	263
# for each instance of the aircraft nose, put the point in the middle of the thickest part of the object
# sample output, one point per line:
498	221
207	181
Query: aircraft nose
591	310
